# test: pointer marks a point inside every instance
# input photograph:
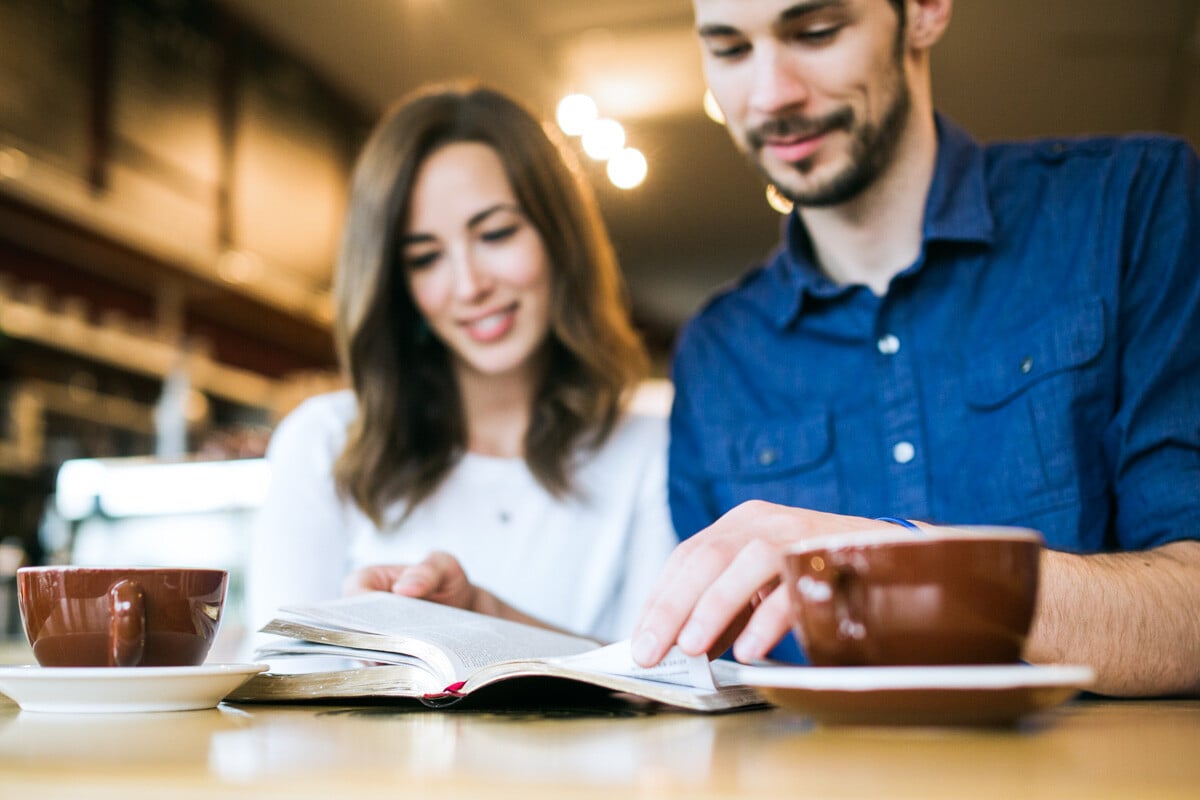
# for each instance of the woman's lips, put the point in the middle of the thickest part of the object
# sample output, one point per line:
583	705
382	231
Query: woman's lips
490	327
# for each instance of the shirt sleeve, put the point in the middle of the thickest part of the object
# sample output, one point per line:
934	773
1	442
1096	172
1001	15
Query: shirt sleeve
1153	440
300	545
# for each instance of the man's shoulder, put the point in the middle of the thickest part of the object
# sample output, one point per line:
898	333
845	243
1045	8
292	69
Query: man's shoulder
750	293
1131	148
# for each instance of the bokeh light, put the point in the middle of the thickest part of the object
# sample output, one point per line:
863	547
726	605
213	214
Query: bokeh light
711	109
627	168
603	138
575	113
777	201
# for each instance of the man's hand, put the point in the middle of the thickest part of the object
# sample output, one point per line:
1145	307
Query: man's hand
439	578
722	585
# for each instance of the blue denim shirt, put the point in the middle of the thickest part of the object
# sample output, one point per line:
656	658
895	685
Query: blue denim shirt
1038	365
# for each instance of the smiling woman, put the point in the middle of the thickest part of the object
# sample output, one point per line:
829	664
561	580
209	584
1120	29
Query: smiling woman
482	321
479	274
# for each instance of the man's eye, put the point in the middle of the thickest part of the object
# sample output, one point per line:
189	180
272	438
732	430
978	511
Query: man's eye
818	35
499	234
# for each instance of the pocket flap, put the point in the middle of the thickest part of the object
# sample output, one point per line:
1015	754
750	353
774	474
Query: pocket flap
1068	339
769	447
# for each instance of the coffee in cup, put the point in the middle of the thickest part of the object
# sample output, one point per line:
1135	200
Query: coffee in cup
896	597
120	617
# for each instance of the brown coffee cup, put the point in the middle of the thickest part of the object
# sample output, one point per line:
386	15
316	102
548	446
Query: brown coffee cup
897	597
120	617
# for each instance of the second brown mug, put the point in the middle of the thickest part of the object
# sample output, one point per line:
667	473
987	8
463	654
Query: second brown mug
896	597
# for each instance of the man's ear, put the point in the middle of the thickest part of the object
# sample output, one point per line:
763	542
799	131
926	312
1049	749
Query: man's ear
927	21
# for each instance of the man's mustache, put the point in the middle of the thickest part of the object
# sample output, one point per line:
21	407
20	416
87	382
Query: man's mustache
799	127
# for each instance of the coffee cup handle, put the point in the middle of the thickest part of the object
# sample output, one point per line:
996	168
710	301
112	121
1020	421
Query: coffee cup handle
127	633
832	611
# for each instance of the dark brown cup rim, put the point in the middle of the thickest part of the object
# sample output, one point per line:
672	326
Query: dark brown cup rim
117	570
894	534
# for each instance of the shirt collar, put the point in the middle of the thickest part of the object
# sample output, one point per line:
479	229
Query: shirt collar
956	210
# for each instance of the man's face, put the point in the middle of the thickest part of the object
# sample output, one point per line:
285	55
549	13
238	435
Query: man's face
814	91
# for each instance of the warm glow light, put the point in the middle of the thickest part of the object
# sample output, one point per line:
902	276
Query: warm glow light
627	168
711	108
603	138
777	201
575	113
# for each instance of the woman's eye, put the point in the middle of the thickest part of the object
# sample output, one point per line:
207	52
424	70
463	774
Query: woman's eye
728	51
416	261
499	234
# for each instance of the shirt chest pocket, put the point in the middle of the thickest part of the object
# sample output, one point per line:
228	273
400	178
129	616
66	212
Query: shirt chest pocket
1063	342
788	461
1030	399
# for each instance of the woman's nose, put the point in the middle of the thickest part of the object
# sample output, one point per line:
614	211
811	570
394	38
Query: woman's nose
471	278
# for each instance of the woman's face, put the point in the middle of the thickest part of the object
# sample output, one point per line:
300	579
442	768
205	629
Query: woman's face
477	268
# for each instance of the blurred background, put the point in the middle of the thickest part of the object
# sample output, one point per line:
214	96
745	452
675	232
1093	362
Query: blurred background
173	175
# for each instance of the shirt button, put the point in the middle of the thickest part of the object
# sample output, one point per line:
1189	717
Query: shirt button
888	344
767	456
1026	365
904	452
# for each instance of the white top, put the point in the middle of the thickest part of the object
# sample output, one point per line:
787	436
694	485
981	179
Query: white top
584	563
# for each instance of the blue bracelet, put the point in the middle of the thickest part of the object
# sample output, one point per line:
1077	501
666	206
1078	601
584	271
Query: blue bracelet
903	523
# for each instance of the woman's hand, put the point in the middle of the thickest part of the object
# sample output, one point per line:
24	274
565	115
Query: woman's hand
439	578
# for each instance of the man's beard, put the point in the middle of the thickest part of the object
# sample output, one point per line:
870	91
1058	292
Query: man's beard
872	149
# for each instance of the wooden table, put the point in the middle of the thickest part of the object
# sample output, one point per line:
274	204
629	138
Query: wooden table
1087	749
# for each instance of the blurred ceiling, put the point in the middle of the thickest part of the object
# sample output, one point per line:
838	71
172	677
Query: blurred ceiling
1005	69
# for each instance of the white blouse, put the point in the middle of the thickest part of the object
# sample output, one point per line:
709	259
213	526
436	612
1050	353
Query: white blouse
584	563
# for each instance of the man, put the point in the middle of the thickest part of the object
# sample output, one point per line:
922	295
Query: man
1005	335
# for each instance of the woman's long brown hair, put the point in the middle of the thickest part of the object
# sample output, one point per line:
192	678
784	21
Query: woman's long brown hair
410	429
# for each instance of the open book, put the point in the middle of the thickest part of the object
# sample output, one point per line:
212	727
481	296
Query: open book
385	645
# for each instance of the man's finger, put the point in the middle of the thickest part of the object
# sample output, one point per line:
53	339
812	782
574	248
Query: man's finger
692	567
768	624
755	566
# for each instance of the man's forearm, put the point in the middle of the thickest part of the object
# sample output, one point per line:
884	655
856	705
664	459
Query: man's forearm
1134	617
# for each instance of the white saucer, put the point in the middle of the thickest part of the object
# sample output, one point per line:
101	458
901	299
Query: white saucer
123	689
953	695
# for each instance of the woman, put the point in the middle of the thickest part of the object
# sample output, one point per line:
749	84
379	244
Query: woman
484	456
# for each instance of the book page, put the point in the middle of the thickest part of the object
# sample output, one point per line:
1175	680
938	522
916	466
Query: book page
305	648
468	639
384	680
727	695
676	666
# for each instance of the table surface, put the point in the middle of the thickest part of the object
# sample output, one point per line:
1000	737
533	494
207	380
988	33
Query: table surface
1087	748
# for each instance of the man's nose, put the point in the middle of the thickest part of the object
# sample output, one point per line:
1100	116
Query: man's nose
777	82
